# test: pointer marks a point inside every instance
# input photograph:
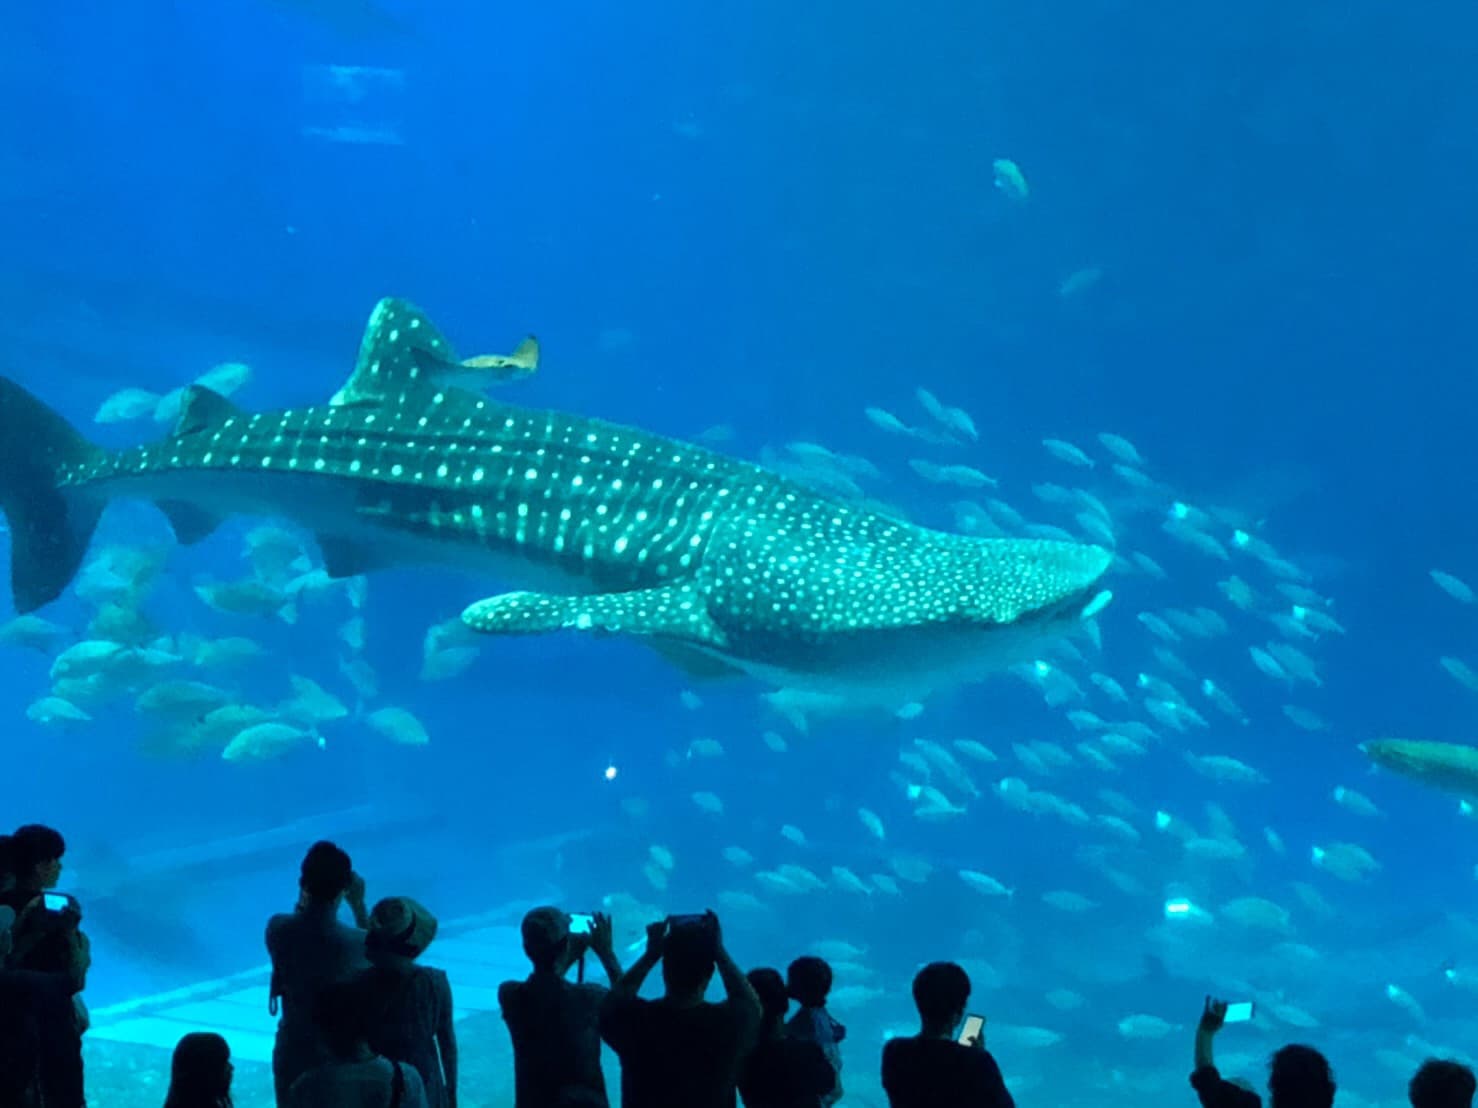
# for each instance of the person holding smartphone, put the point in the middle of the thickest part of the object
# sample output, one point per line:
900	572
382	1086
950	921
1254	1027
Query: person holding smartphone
1299	1076
554	1023
311	950
680	1051
46	936
45	959
943	1064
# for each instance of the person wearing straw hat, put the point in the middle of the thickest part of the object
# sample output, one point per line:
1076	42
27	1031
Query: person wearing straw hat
410	1005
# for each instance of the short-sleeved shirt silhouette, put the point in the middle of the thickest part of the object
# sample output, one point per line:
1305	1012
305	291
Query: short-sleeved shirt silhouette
941	1073
408	1010
673	1057
817	1026
786	1072
310	950
369	1084
555	1029
1216	1091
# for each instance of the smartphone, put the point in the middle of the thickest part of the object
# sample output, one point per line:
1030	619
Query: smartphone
55	902
580	922
697	920
973	1029
1240	1012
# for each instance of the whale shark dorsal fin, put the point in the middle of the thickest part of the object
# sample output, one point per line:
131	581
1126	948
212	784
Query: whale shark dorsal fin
676	612
397	336
202	407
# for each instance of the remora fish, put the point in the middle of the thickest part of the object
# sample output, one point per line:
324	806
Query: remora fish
478	372
720	564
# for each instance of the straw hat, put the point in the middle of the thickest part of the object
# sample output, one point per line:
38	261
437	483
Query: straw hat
399	925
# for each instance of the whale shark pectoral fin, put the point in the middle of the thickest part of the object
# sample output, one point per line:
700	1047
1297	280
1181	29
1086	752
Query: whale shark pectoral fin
697	664
346	558
674	612
191	524
397	336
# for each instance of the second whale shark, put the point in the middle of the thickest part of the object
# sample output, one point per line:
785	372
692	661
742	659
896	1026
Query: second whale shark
721	564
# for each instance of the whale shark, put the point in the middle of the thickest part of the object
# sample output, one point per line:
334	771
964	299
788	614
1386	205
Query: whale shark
722	565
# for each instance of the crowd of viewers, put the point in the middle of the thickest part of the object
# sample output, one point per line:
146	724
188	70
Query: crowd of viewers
364	1024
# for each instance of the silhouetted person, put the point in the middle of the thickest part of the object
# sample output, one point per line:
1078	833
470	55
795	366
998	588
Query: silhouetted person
43	939
7	870
1298	1076
1442	1084
40	1045
20	1041
554	1025
808	980
310	950
354	1076
200	1072
45	955
410	1005
679	1051
933	1069
782	1071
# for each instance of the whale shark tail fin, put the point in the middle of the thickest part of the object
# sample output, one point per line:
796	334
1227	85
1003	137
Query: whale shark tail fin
50	529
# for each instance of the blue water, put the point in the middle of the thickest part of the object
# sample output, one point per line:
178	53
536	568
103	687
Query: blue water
770	218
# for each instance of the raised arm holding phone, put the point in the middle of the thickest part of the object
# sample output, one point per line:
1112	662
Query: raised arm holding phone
680	1049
